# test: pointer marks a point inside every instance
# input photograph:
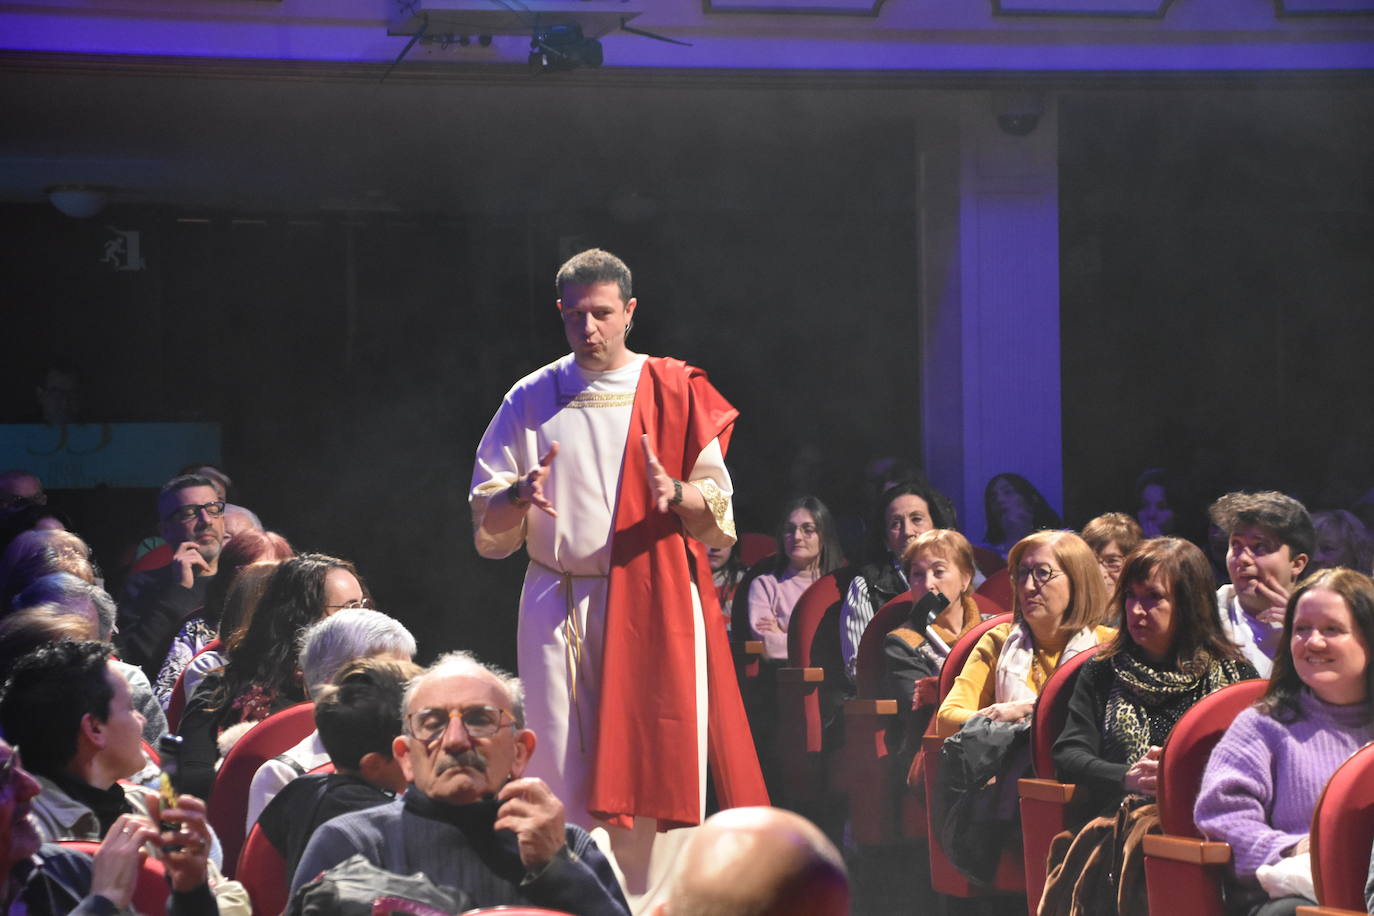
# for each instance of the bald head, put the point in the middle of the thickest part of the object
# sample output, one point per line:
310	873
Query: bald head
759	862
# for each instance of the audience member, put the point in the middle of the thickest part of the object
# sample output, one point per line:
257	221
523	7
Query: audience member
1265	775
938	562
807	550
1342	540
908	511
469	821
245	593
1112	536
44	878
71	711
200	629
158	601
1169	653
237	520
326	648
262	675
1058	605
1013	509
23	631
1269	540
67	594
20	489
358	719
1157	516
37	553
759	862
726	572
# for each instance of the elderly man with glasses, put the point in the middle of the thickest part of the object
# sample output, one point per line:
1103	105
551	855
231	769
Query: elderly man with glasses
470	821
158	601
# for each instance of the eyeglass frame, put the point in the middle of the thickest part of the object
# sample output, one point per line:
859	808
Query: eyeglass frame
364	603
179	514
1022	573
458	714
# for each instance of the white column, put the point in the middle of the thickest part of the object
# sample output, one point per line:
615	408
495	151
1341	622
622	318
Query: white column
989	243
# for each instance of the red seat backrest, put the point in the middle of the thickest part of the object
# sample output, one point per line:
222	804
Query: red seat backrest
262	871
1189	745
1052	710
152	889
868	660
819	597
987	607
961	650
997	588
1342	832
754	547
228	805
158	557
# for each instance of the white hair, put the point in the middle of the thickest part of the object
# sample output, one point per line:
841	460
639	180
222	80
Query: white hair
460	659
327	645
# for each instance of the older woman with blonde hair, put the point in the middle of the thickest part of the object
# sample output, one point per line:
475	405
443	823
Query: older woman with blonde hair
936	562
1059	602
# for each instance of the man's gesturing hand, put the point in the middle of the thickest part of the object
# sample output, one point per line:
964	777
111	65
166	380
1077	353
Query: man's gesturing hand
531	487
662	488
535	815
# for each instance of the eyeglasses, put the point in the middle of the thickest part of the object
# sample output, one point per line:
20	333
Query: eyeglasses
803	530
1111	563
355	603
1043	575
186	513
479	722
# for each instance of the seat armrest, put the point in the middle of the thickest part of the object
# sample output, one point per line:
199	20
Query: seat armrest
753	647
1189	850
1046	790
801	675
1327	911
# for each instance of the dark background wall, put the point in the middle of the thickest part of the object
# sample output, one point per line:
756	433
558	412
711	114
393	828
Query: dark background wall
1216	284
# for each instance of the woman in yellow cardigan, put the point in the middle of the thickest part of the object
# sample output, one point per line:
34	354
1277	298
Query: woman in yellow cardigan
1059	603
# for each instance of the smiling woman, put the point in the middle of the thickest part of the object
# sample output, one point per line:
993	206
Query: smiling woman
1267	772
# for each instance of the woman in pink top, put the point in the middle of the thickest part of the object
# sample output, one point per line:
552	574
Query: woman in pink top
808	549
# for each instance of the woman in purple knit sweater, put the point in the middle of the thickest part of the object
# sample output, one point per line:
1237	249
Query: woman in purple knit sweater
1267	772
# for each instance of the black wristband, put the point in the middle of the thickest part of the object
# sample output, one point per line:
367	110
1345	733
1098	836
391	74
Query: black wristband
677	493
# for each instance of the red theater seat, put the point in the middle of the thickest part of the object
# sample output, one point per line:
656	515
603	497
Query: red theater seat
1184	873
944	877
799	722
228	805
1043	798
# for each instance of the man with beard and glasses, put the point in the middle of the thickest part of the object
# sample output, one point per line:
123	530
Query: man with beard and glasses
469	821
158	601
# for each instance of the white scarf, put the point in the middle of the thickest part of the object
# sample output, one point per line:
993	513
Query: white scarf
1018	653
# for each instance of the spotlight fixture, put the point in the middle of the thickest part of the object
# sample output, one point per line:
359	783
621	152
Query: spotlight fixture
563	47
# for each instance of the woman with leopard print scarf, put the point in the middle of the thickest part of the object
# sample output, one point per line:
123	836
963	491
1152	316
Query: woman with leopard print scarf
1168	654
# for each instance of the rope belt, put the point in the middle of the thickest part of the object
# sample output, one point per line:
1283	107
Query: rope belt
572	638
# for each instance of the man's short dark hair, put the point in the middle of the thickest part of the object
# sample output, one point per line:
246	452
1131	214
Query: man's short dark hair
50	690
180	482
1287	518
360	713
595	266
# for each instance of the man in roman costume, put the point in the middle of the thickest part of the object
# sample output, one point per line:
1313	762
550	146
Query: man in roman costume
609	467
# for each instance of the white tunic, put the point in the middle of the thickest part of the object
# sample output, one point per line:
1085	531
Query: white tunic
588	414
